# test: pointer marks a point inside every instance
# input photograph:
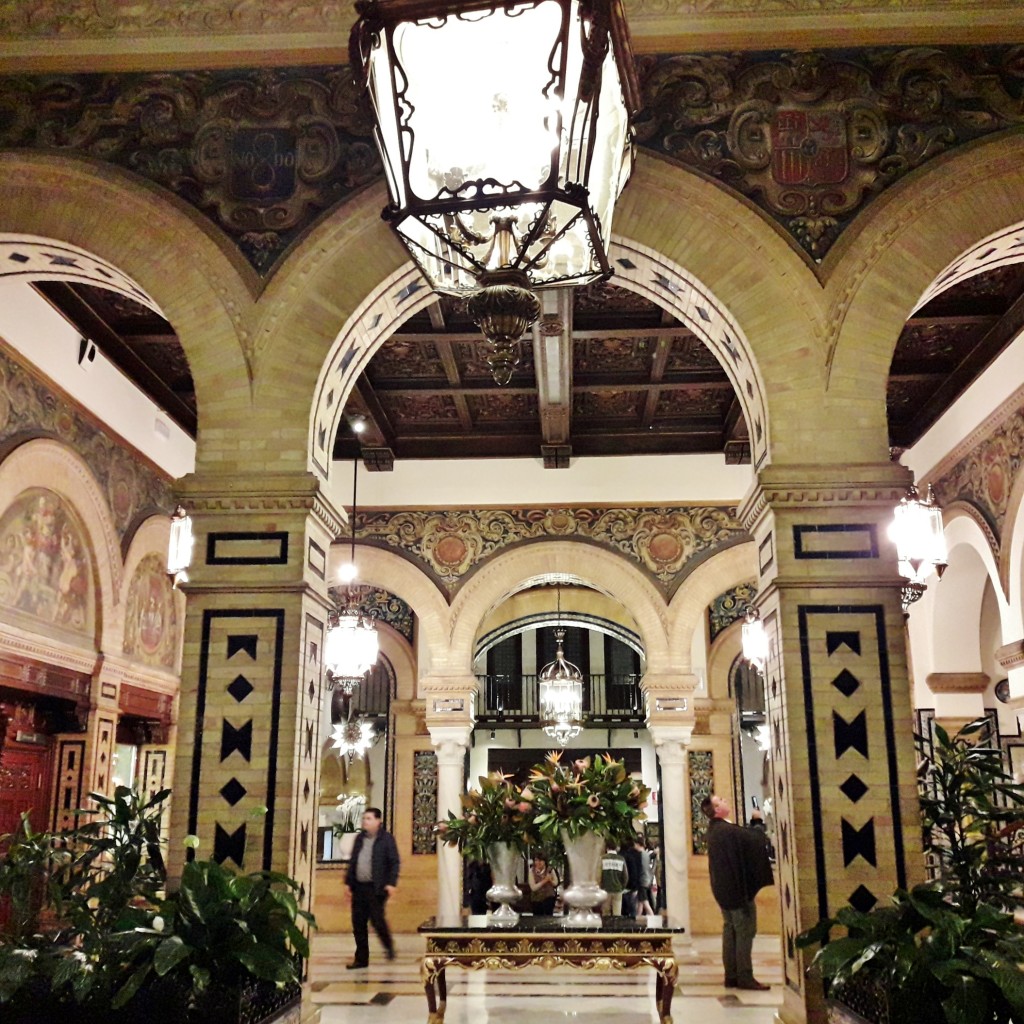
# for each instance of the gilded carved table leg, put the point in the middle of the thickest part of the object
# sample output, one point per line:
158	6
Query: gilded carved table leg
668	972
432	976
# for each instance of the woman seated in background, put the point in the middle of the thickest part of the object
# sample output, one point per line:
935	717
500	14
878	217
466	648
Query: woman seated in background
543	885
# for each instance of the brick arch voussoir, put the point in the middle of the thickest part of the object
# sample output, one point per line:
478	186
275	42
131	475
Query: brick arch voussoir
907	240
690	603
605	570
197	279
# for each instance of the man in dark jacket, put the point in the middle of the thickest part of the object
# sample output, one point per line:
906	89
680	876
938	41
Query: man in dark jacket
372	877
740	867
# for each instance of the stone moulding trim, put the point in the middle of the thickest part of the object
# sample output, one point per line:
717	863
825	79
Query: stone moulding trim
52	652
1011	655
957	682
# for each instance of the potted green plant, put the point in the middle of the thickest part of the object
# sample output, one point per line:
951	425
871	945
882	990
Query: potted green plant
493	826
949	949
584	805
223	945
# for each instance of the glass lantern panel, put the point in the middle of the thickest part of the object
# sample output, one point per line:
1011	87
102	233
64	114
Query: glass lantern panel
475	100
382	93
179	548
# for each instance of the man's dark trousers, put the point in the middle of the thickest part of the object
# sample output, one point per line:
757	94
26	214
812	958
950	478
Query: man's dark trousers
368	906
739	928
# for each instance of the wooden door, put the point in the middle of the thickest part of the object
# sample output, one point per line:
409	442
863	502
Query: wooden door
24	785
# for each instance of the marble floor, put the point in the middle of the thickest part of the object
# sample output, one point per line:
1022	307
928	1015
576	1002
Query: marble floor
390	993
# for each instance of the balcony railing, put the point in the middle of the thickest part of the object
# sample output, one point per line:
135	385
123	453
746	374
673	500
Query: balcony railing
512	700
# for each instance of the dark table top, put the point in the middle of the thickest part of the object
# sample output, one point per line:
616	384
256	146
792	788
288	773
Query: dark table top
530	924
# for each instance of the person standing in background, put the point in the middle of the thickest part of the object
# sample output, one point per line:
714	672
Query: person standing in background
740	868
543	884
372	878
614	878
635	869
643	893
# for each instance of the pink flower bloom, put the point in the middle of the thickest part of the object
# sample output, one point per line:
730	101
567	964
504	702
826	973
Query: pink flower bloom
524	807
527	793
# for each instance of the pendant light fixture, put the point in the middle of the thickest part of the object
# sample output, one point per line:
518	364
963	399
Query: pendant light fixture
352	644
505	131
560	694
920	541
755	640
179	547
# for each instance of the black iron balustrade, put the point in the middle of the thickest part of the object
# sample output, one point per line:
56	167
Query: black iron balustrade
513	699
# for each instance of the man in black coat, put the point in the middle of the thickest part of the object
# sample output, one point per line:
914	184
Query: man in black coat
740	867
372	877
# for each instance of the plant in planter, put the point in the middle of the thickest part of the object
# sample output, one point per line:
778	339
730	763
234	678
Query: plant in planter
122	950
584	805
949	949
494	826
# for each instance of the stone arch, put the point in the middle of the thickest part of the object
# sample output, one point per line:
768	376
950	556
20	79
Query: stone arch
44	463
911	237
398	651
1011	549
604	570
148	543
166	250
386	569
726	569
746	296
956	603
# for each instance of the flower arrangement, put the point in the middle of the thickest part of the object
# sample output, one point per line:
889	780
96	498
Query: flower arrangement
497	812
589	795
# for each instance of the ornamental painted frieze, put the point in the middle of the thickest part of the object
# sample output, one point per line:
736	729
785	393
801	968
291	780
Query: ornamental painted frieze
984	477
813	137
259	152
28	409
664	542
375	603
730	606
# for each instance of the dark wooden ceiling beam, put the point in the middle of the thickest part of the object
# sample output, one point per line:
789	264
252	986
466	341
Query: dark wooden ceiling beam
86	319
436	314
951	320
553	359
973	363
432	337
379	431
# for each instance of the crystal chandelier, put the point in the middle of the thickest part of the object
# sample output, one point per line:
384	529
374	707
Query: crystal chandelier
920	542
353	737
504	129
755	640
561	696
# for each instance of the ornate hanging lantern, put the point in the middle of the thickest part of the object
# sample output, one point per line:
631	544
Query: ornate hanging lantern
351	650
561	696
179	548
755	640
504	128
920	541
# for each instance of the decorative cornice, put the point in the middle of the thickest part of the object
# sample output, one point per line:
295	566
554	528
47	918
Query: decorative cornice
824	487
48	650
957	682
1011	655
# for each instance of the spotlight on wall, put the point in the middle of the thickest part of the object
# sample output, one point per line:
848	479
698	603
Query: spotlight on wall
755	640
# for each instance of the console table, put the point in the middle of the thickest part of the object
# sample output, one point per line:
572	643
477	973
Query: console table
621	944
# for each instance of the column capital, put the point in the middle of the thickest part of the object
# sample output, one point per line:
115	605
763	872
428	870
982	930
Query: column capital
670	699
451	742
451	702
823	486
670	742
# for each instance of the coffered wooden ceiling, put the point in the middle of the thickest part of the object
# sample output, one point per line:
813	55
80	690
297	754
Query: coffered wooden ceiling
639	381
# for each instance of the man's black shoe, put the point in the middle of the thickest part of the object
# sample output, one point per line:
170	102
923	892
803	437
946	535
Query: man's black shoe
355	966
390	954
753	986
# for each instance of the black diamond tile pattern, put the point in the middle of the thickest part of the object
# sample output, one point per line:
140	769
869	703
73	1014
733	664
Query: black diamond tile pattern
233	791
846	683
863	899
854	788
240	688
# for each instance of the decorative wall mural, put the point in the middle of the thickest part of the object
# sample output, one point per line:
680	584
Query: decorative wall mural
730	606
28	408
424	801
813	137
259	152
702	784
45	568
378	604
984	477
810	137
151	619
662	541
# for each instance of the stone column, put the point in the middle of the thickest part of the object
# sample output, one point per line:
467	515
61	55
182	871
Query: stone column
839	711
450	709
670	719
248	759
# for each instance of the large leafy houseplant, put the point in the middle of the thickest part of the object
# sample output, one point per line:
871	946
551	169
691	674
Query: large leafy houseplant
589	795
949	949
497	812
120	948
